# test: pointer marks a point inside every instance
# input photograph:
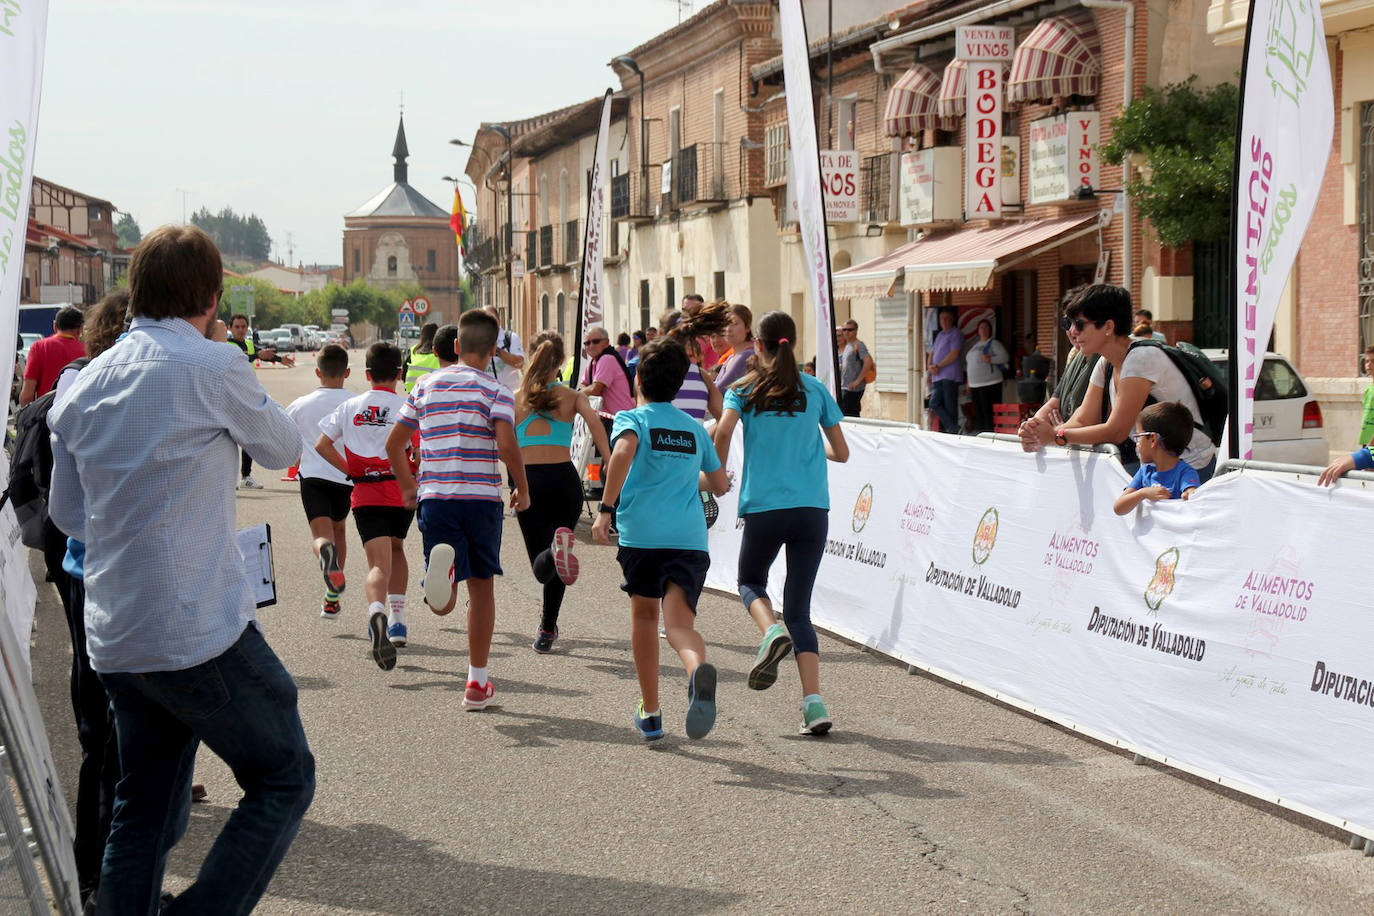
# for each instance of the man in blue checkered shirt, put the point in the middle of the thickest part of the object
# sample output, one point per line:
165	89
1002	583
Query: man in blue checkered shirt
142	444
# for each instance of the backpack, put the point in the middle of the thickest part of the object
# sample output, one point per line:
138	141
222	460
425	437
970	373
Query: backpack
629	373
871	375
31	467
1205	379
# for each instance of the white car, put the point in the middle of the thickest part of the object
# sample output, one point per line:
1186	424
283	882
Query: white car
1288	419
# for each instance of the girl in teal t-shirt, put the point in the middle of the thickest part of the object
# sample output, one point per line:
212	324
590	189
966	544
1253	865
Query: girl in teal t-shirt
791	427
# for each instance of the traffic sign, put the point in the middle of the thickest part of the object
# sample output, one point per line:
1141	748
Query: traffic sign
407	319
406	308
338	313
420	304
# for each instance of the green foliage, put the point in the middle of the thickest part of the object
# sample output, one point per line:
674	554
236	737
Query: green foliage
275	308
127	231
237	236
1188	139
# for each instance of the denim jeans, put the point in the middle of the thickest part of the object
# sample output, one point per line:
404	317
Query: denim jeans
944	397
243	706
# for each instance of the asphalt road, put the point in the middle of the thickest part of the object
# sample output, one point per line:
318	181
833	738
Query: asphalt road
925	798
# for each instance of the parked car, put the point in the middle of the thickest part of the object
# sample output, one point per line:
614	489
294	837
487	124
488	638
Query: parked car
297	335
1288	420
279	339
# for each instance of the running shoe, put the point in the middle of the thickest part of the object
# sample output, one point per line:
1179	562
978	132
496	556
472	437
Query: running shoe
477	696
710	507
248	483
649	727
439	577
815	717
774	648
396	634
563	560
383	652
331	610
329	565
701	701
544	640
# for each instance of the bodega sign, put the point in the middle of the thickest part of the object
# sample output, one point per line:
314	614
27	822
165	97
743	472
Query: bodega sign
986	49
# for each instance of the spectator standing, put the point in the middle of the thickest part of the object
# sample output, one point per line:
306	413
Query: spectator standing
987	361
168	609
1068	393
946	371
247	343
1367	417
739	334
420	358
1146	318
605	376
49	356
856	364
510	355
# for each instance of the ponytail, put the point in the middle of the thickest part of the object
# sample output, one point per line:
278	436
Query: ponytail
540	372
773	382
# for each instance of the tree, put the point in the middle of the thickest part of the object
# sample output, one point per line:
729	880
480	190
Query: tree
376	306
1187	137
127	231
237	236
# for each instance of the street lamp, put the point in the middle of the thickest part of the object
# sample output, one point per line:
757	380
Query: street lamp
510	213
630	64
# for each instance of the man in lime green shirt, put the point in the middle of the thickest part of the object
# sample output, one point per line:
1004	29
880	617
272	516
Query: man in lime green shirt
1367	419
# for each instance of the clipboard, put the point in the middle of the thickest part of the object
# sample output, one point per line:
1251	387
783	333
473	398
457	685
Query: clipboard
255	545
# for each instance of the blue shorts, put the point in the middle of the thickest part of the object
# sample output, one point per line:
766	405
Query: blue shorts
472	527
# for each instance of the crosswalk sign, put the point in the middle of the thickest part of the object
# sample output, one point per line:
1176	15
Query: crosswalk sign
407	319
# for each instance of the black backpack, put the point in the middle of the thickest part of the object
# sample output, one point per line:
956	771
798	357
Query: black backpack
31	466
615	355
1205	379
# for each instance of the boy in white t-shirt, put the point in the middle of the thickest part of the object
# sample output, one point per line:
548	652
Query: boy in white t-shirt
325	491
361	424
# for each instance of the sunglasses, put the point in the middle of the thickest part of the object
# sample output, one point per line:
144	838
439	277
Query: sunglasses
1138	436
595	340
1076	323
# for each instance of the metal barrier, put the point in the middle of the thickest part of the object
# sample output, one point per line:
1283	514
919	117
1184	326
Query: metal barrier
1302	470
1102	448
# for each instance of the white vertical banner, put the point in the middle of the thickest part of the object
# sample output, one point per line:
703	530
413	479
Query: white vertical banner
805	179
23	28
591	304
1283	141
986	48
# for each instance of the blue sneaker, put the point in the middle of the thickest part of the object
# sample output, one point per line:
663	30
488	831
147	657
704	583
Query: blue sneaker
650	727
397	634
774	648
701	701
544	640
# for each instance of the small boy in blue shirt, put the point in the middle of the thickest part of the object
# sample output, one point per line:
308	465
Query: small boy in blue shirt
661	459
1166	429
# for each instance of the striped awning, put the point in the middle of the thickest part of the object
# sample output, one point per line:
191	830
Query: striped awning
964	259
1059	58
911	103
953	100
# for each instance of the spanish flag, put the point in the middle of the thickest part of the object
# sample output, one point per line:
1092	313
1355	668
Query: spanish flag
458	220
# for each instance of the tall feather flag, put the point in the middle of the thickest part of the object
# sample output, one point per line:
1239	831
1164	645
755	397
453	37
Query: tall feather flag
458	221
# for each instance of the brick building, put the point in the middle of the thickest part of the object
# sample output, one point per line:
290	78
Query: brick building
70	246
400	237
1326	315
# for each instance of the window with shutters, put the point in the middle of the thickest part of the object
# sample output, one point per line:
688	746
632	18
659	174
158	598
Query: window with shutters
775	155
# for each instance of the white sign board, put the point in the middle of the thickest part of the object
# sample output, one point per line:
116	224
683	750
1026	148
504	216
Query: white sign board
1173	630
1011	170
840	179
1063	155
665	185
986	48
517	268
338	313
984	42
929	187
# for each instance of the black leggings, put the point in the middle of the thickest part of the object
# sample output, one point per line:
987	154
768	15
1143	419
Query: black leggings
984	397
555	502
245	465
802	532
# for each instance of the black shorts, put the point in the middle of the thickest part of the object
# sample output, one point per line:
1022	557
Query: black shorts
325	498
648	571
382	521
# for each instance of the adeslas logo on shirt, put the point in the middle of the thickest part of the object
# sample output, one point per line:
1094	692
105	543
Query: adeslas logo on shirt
673	440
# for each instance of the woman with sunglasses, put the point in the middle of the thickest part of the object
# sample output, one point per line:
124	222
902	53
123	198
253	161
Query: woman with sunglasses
1072	385
1101	315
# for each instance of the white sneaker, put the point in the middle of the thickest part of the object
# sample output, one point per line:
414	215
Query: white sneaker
248	483
439	577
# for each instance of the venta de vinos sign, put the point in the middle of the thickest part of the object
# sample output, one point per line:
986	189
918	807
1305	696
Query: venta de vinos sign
986	48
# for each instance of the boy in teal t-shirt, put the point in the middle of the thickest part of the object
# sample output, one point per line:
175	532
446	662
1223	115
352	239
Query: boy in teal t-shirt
661	459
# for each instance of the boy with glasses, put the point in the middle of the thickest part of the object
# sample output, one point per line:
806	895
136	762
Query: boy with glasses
1166	429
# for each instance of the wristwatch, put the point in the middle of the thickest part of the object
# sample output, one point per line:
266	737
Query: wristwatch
1059	437
605	509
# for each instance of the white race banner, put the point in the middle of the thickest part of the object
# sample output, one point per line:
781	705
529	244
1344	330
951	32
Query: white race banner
23	28
1167	631
1282	146
591	306
805	181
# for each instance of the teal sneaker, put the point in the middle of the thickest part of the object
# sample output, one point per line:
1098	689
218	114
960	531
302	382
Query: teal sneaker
649	727
774	648
815	717
701	701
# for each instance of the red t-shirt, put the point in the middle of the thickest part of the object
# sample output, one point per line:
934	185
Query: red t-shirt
48	357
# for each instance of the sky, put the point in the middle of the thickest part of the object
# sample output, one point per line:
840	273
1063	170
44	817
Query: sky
288	108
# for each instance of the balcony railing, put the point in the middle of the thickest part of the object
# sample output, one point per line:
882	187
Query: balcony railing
698	176
545	246
876	181
630	198
572	242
